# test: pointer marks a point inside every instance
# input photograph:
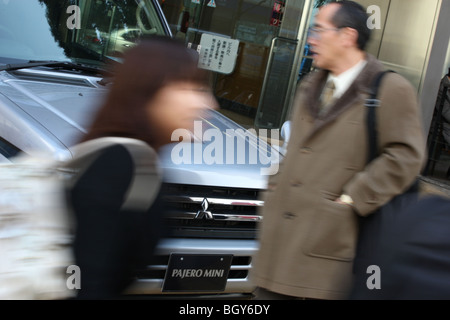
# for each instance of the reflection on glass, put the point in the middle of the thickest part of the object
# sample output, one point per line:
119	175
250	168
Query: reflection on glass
90	32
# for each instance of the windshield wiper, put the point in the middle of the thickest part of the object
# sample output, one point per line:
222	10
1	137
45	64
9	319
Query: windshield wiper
66	65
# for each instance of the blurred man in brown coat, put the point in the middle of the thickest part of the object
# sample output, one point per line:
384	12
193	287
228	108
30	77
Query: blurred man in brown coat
310	218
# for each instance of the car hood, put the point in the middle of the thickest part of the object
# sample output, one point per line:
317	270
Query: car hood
64	106
234	157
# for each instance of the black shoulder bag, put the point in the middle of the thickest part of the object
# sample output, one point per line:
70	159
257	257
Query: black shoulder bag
371	227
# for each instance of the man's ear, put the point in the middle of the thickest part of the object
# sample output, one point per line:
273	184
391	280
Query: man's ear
350	36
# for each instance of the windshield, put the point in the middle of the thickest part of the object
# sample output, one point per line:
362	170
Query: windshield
82	31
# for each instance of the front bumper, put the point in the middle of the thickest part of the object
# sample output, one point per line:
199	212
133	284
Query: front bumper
150	281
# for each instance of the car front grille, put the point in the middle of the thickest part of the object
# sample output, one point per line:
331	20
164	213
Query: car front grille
211	212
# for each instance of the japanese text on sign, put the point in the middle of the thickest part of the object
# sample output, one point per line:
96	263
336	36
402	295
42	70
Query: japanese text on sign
218	53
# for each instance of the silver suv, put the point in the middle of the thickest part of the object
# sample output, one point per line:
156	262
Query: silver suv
52	74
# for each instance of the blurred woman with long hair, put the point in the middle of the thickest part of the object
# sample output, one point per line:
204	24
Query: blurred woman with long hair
156	90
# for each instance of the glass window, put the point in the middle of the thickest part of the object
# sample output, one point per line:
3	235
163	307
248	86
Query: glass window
87	31
267	64
246	28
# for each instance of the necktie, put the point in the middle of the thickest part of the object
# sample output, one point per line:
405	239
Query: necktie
326	97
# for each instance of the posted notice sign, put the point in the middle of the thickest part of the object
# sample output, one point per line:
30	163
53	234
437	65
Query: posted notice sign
218	53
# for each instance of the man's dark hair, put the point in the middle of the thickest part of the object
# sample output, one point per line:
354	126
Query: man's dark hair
353	15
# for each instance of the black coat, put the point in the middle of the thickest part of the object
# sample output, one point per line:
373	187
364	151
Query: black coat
413	255
110	243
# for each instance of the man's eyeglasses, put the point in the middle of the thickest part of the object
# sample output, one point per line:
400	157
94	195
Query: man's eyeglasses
316	32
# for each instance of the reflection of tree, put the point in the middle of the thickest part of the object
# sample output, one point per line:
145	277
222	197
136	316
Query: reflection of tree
103	16
54	8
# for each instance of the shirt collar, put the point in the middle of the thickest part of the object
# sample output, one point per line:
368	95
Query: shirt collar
343	81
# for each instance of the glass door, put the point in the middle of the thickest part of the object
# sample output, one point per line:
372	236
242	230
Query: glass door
252	49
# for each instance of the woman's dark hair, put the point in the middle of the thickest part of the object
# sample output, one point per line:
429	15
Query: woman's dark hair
353	15
146	68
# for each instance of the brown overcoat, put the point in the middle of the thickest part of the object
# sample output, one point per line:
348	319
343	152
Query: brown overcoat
307	241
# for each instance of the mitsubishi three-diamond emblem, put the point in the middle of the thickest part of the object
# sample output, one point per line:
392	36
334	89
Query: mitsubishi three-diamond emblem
204	213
